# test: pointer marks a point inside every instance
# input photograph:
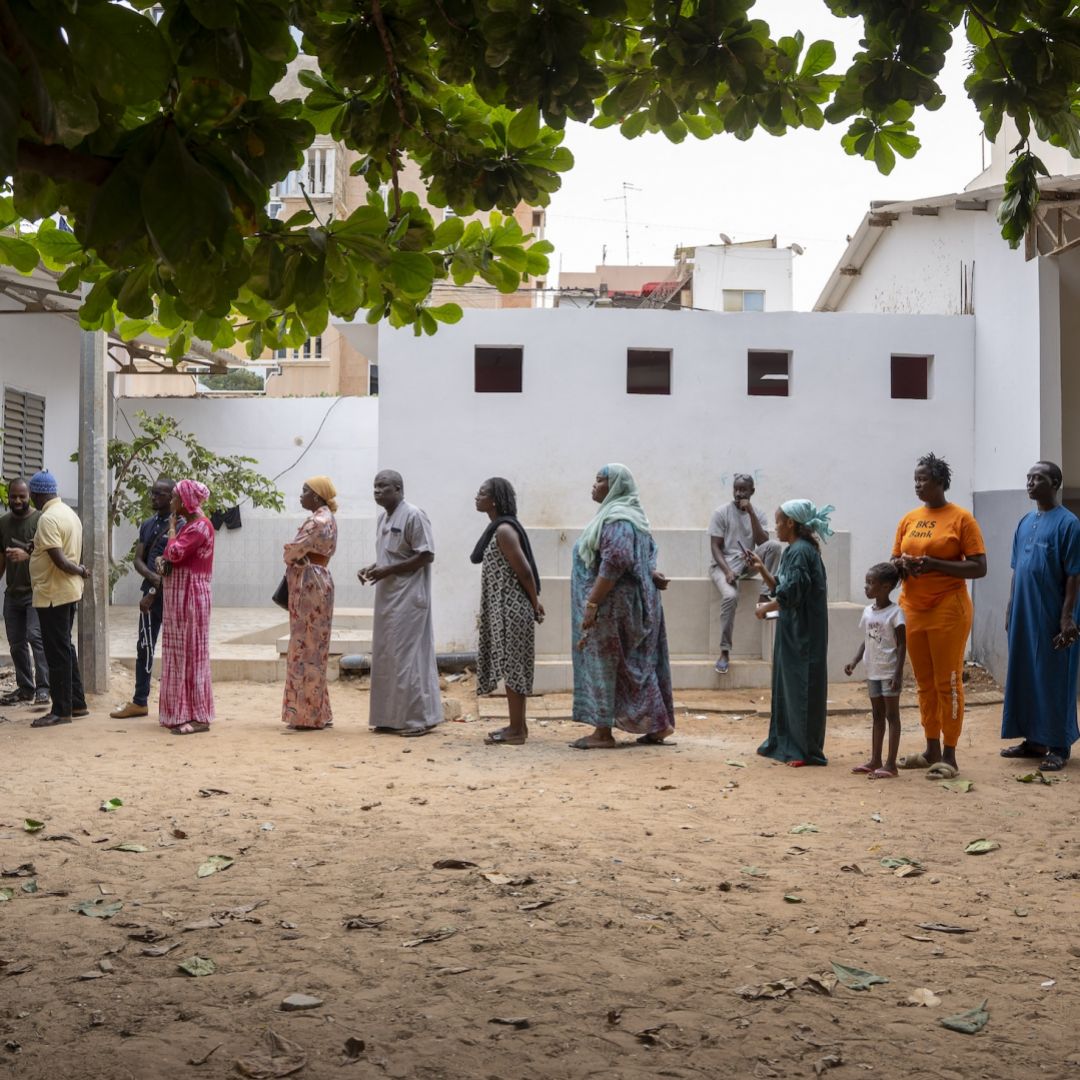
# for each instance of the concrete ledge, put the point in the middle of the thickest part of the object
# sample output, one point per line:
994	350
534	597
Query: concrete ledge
555	674
267	668
683	553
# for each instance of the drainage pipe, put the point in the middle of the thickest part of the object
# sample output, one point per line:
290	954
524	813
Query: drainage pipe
449	663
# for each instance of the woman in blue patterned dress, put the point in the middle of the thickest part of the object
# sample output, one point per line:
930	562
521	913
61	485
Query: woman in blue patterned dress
622	677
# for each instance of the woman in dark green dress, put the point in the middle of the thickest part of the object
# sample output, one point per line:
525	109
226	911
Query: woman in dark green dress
800	681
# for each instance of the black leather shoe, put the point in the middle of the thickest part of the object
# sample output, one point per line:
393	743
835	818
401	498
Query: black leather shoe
49	720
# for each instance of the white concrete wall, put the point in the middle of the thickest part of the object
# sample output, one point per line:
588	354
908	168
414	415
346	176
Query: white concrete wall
1057	159
726	266
915	267
276	431
1008	353
839	438
40	354
1069	300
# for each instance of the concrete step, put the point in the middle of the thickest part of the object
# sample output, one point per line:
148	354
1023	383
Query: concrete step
354	618
277	625
555	674
246	663
343	642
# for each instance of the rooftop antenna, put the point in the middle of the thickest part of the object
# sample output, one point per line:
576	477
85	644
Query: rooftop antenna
625	197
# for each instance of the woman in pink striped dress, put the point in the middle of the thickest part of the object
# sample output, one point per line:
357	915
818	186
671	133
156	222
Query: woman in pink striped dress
186	697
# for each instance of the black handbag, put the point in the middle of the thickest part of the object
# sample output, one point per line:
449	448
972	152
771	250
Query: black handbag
281	593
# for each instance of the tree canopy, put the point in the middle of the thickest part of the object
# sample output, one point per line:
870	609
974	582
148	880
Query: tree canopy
154	129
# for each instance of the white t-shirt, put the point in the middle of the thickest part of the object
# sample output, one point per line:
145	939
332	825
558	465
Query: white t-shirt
879	625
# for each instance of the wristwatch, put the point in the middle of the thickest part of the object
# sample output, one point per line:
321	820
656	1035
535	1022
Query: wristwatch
152	591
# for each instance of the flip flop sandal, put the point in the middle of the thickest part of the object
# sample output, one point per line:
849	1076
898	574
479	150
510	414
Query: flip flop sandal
1052	763
584	744
882	774
1024	750
651	740
913	761
942	770
499	738
192	729
414	733
868	769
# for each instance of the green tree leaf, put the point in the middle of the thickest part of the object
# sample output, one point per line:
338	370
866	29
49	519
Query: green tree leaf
524	129
412	273
820	56
183	203
121	51
18	253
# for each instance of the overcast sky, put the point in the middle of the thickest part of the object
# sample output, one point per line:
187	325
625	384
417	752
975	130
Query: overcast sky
802	187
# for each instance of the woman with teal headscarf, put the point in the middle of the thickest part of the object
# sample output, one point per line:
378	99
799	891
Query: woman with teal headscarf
622	676
800	680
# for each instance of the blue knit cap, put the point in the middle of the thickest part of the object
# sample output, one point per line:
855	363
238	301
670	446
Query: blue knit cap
44	483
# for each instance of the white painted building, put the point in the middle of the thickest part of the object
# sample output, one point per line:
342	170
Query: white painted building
755	276
945	256
837	436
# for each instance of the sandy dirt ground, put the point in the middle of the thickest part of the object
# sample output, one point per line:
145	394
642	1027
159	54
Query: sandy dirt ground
622	905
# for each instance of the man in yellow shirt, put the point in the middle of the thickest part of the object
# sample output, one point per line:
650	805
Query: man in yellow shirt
57	578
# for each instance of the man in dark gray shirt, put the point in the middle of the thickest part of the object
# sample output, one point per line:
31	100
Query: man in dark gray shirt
17	528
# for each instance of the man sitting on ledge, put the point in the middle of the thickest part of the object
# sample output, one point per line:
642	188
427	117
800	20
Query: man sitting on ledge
734	529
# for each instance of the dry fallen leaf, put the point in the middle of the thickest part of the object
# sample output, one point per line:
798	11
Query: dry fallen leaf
278	1058
519	1022
427	939
823	982
923	996
357	922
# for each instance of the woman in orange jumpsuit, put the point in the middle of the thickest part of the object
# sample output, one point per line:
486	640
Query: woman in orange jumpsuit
938	548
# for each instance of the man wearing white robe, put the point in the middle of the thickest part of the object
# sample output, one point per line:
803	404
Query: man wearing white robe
404	678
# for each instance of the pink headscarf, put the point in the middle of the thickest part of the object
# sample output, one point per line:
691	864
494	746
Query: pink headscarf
192	494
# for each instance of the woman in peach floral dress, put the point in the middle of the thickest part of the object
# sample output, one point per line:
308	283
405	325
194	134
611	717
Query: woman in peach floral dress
306	704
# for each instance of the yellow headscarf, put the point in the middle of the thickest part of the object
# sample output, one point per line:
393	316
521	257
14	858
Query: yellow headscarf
323	486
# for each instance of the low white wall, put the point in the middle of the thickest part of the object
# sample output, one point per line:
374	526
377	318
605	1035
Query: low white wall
276	431
39	354
838	438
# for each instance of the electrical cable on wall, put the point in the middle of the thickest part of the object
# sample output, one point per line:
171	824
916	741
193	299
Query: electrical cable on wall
314	438
326	416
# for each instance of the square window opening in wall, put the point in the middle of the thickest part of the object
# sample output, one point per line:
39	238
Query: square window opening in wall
768	374
648	371
498	369
910	377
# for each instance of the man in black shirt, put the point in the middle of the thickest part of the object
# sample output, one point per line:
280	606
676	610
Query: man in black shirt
17	528
153	536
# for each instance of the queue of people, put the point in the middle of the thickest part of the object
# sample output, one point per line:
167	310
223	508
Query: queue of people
622	676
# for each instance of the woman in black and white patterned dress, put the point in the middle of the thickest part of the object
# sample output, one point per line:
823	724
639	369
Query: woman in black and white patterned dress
509	607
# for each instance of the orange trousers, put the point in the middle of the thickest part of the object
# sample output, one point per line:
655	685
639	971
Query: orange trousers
936	642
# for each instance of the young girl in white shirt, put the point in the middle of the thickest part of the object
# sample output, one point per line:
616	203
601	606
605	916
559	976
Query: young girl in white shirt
884	648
